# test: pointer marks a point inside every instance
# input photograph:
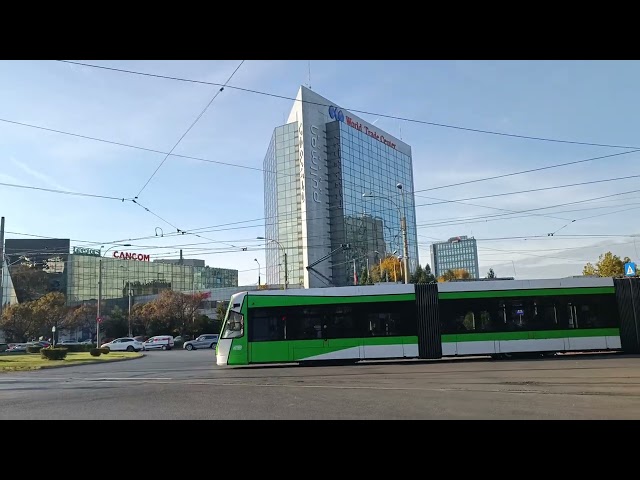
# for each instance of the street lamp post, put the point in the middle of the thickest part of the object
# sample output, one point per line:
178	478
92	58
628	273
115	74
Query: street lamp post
99	309
256	260
403	226
286	276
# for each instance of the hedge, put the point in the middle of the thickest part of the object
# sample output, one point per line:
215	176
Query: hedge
104	350
53	353
95	352
34	349
79	347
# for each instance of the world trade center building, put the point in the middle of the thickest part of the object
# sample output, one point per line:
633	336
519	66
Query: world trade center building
332	197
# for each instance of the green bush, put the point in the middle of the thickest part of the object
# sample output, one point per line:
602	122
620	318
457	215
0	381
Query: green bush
95	352
178	344
104	350
53	353
34	349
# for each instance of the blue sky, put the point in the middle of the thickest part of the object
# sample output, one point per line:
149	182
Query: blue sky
587	101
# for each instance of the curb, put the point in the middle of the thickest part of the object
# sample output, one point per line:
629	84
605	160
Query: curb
44	367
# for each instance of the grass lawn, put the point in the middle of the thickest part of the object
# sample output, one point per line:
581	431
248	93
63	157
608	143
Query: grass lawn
33	361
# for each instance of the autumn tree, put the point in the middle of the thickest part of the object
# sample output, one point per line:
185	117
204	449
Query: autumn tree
457	274
608	265
389	269
82	317
171	312
19	322
116	323
51	310
145	319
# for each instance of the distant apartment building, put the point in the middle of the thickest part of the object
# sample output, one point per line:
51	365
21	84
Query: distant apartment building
455	253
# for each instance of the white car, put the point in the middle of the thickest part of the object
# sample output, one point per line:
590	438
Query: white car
123	344
163	342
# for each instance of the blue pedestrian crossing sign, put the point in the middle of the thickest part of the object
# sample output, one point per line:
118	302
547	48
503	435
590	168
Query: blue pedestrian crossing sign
630	269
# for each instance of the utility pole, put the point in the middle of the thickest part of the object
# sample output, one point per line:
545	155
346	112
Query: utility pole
129	289
404	236
99	302
2	265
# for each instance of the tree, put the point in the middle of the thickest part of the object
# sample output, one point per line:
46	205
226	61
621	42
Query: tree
608	265
365	278
491	273
19	322
423	275
51	311
172	312
389	269
145	320
116	324
82	317
457	274
221	310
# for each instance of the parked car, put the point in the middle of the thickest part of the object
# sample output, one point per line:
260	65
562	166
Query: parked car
209	340
124	344
17	347
159	342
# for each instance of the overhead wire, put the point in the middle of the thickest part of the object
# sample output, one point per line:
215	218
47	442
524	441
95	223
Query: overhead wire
365	112
190	127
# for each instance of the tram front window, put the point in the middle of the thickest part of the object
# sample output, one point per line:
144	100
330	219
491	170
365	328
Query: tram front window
234	327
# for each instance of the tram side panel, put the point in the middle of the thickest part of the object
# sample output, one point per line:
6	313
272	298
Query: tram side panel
628	299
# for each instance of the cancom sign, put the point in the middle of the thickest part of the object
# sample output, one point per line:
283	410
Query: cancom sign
131	256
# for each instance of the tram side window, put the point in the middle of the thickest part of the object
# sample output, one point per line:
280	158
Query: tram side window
390	319
341	322
588	311
303	323
266	325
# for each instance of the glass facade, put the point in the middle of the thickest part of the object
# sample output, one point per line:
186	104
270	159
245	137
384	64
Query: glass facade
145	278
360	164
282	199
317	169
456	253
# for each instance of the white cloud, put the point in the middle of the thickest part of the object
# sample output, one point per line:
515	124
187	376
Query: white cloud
46	179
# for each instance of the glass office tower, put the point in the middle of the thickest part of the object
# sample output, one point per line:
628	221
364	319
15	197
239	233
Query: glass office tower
331	196
455	253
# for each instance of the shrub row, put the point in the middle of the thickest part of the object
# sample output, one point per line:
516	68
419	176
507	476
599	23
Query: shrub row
34	349
53	353
81	347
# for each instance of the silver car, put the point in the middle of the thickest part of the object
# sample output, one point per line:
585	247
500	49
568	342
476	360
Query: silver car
208	340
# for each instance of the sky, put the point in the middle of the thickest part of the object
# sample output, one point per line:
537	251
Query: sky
581	101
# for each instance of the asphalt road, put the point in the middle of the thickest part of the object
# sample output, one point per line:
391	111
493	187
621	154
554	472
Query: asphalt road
188	385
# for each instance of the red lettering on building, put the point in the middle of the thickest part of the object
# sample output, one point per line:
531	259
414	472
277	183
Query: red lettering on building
132	256
363	128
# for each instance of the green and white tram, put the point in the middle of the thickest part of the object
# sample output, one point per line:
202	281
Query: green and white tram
497	318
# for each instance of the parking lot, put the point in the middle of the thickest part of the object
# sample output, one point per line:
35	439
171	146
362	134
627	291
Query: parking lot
179	384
